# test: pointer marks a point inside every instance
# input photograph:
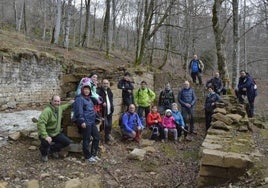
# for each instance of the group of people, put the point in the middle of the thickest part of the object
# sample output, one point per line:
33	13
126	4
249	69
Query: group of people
90	99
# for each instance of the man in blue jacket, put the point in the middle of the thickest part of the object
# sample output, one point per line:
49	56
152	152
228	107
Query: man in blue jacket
187	99
246	86
131	124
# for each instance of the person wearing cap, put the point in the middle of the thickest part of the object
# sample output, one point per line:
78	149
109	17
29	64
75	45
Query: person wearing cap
126	85
85	116
187	100
92	82
143	98
169	125
49	128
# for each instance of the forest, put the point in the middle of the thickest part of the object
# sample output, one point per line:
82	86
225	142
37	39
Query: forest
227	35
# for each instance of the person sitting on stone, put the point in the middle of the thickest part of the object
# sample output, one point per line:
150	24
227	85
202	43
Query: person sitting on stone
154	122
180	125
49	128
169	125
131	124
210	105
216	83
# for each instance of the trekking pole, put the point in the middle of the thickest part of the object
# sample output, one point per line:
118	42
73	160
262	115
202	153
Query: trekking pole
185	129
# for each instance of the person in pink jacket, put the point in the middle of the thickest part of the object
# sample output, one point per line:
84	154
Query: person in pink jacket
169	125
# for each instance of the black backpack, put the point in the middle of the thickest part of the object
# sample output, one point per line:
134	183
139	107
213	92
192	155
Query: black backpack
155	133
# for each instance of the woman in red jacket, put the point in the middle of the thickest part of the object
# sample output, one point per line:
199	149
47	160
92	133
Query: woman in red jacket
154	122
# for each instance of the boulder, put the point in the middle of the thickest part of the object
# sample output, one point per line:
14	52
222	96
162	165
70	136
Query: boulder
223	118
137	154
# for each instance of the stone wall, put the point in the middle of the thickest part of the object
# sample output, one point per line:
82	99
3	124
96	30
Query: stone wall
28	79
228	151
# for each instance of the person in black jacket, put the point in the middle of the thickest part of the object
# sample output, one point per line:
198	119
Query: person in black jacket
217	84
107	108
210	105
166	98
127	90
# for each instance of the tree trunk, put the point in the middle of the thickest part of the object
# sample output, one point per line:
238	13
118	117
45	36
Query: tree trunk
24	17
85	40
80	23
58	23
220	42
15	13
67	25
236	45
44	5
105	32
18	28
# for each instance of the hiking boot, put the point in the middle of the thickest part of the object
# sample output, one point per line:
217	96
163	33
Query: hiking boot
96	158
55	155
92	160
44	158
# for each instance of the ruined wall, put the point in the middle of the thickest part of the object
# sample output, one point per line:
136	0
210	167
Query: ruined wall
229	150
28	79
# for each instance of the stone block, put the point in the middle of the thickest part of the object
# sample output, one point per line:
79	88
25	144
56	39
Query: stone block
223	118
72	132
235	160
213	171
212	157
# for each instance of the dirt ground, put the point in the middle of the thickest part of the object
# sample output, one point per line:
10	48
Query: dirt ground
171	165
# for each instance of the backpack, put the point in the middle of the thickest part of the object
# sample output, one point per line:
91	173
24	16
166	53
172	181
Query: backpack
155	133
195	67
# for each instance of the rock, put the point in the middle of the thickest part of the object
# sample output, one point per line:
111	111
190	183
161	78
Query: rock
15	136
32	148
32	184
34	120
235	117
11	105
223	118
220	110
3	184
92	181
33	135
146	142
75	147
73	183
259	124
44	175
137	154
149	149
220	125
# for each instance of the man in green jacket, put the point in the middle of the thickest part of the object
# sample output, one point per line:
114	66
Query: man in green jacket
143	98
49	128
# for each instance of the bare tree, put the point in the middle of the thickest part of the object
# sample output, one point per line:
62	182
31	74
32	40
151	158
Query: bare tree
58	22
105	32
219	40
67	25
85	37
236	44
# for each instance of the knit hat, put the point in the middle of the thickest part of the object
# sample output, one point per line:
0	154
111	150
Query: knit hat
127	74
168	110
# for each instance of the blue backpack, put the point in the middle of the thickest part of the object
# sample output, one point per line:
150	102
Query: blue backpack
195	67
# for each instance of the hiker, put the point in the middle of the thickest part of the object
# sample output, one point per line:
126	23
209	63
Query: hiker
180	125
86	121
131	124
107	108
143	98
187	100
210	105
247	87
196	67
154	122
166	98
127	90
216	83
92	82
49	129
169	125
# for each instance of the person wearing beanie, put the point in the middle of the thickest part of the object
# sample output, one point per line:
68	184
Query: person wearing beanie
85	116
169	125
92	82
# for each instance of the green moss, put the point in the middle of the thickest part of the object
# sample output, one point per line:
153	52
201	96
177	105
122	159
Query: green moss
169	150
150	165
190	154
